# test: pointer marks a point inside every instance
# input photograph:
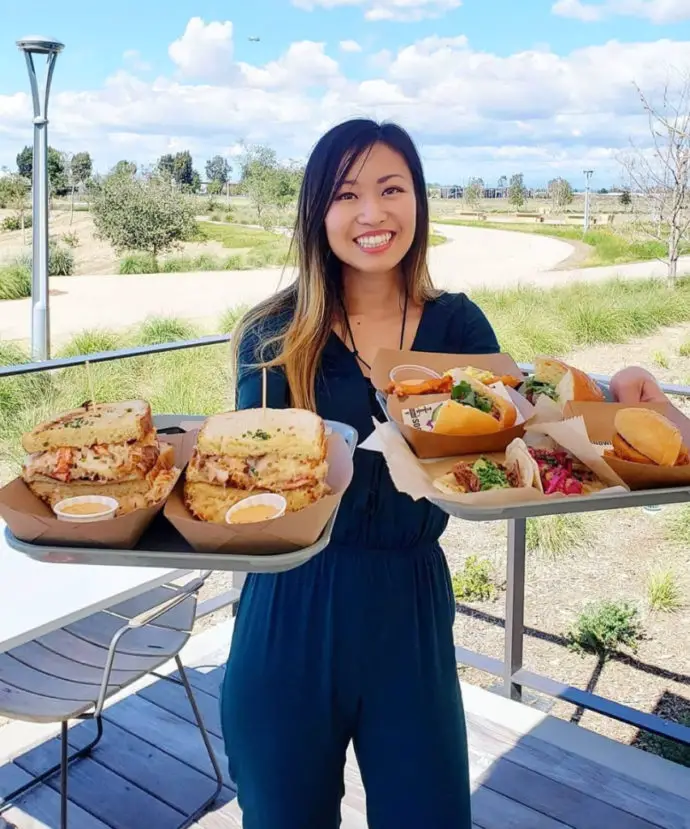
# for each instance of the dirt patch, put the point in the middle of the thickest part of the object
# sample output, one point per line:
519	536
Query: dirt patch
92	256
581	254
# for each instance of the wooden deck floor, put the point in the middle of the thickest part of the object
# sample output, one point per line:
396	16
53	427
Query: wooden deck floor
529	771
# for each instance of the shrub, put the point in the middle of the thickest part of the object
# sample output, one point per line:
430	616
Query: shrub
139	263
555	535
71	239
230	318
661	359
60	261
157	330
475	582
15	281
684	350
663	592
604	627
91	342
14	222
18	393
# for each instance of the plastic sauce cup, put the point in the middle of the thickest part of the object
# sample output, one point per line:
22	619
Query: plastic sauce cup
256	505
84	509
412	374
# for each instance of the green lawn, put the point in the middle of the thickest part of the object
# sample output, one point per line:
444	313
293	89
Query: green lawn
528	321
609	247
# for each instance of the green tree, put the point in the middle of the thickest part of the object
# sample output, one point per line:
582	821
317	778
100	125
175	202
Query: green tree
166	166
183	170
625	197
14	194
560	192
133	214
125	168
218	169
517	192
57	177
82	167
474	191
266	182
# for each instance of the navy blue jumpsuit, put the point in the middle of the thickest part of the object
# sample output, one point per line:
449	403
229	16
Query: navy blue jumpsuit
356	644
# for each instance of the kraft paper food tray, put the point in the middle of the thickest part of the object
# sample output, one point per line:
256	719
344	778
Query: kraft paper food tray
415	477
31	520
426	444
292	532
599	418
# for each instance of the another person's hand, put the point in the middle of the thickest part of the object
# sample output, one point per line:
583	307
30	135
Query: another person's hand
636	385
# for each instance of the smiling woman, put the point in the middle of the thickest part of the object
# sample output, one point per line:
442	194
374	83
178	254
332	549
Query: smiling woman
359	640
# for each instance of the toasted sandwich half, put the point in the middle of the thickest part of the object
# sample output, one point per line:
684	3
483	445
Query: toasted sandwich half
252	451
100	449
101	442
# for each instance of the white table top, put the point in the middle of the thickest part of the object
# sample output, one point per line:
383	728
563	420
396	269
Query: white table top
36	598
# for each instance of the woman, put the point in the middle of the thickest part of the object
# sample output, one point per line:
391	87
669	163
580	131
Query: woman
357	644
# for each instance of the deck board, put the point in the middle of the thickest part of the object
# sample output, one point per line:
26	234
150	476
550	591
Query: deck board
151	770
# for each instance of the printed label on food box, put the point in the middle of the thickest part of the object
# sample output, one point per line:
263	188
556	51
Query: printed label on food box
421	417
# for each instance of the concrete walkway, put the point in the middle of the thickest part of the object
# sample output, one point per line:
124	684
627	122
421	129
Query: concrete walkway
473	258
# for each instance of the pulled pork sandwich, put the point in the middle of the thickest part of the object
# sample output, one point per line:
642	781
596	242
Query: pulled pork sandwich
254	451
559	472
474	409
647	437
100	449
560	382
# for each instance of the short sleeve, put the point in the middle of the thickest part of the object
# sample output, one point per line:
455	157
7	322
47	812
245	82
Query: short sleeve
474	330
248	394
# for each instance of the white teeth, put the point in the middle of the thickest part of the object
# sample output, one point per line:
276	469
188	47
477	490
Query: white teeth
374	241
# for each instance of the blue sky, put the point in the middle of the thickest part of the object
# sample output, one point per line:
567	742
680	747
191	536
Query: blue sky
483	90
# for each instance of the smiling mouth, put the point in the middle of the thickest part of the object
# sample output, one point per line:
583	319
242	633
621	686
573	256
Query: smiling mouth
375	241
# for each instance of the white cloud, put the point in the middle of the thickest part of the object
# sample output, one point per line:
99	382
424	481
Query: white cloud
204	51
471	112
656	11
375	10
350	46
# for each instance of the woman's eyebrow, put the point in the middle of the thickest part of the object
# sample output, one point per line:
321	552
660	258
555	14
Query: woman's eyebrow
381	180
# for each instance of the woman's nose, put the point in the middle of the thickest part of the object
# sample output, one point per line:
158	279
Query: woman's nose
371	212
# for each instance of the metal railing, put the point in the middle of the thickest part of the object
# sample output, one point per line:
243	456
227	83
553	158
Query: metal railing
511	669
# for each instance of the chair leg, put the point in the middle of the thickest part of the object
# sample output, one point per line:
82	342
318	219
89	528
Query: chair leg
66	760
209	748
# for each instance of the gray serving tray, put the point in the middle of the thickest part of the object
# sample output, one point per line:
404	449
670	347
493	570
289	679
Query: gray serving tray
162	546
557	506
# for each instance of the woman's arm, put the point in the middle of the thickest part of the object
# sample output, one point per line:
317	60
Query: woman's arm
249	389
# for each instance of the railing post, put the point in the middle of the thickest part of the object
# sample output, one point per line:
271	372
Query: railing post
515	606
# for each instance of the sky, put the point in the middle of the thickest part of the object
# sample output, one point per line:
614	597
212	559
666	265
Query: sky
485	87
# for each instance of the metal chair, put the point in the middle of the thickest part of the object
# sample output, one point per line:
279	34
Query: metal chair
70	673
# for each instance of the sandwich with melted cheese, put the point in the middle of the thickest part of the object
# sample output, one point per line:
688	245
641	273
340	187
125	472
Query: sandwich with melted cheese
100	449
252	451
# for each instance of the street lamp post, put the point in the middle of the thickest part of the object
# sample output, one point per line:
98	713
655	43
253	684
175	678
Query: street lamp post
588	176
40	317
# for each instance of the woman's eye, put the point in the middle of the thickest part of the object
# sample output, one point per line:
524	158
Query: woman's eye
393	189
345	196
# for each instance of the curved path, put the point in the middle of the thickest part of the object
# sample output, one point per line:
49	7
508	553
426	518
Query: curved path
473	258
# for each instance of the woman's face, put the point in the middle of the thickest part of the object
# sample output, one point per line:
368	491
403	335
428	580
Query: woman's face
371	223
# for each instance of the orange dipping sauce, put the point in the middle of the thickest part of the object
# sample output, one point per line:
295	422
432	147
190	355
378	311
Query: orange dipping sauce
253	514
84	509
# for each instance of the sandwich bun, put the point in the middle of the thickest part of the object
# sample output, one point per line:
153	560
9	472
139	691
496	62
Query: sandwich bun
571	383
456	418
452	418
645	436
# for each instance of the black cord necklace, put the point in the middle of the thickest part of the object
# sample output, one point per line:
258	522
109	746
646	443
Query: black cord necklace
352	339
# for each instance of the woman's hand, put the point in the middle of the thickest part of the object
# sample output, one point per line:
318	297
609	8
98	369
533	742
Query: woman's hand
636	385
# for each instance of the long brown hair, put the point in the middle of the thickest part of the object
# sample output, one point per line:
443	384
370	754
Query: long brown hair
312	302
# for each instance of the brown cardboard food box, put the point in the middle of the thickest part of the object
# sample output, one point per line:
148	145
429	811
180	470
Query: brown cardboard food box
281	535
416	477
599	419
426	444
31	520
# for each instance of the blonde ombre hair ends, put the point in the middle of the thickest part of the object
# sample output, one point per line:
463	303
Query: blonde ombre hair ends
305	312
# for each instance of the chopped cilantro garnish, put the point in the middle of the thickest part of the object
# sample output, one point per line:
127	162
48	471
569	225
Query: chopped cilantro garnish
464	393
